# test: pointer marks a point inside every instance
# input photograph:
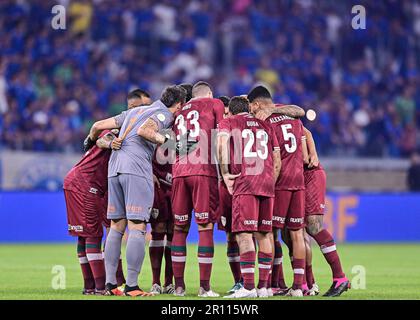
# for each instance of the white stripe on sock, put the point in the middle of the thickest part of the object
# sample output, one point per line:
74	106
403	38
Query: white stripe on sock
247	270
179	258
234	259
156	243
264	266
83	260
328	249
278	261
205	260
94	256
299	271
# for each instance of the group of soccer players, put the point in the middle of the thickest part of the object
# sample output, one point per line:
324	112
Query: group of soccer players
245	164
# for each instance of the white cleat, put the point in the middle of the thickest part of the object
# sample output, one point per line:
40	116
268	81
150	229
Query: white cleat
207	294
156	289
314	291
270	292
179	292
262	293
243	293
294	293
169	289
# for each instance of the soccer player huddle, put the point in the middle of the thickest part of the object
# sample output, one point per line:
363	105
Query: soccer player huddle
245	164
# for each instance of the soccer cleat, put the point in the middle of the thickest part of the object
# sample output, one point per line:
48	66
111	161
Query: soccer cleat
169	289
279	291
270	292
112	290
88	292
136	292
207	294
179	292
262	293
100	292
236	287
338	287
305	289
294	293
243	293
156	289
314	291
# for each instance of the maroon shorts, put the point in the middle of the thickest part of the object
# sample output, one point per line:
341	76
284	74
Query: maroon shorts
315	188
289	209
225	209
162	208
195	192
85	213
252	213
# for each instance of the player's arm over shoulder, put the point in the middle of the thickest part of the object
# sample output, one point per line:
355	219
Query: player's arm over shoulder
105	140
107	124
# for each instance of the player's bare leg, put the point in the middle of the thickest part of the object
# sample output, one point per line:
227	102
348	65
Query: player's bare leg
136	244
112	255
179	256
313	289
169	274
328	248
205	259
156	251
265	259
298	263
233	259
247	260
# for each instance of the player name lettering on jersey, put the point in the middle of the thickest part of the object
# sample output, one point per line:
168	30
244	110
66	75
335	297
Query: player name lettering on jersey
252	124
280	118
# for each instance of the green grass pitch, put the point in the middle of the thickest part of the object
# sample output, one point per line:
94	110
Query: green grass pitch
392	272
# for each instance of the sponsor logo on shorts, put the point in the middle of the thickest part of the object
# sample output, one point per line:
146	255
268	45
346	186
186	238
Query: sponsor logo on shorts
111	208
93	190
133	209
75	228
154	212
202	215
280	219
267	222
296	220
250	222
181	218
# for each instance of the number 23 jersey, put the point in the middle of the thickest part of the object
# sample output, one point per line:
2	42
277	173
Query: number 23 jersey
200	116
252	143
289	132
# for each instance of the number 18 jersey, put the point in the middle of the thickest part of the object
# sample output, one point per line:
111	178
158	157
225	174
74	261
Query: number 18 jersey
289	132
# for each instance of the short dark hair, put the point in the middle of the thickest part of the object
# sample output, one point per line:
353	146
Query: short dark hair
172	95
188	87
198	86
225	100
259	92
238	105
137	93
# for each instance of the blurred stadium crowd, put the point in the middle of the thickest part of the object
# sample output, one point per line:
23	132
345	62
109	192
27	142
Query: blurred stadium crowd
362	83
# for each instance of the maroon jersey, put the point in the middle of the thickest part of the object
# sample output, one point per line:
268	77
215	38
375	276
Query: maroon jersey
251	154
162	165
90	174
200	116
289	133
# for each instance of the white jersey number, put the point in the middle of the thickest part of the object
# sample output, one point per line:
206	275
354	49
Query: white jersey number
262	140
288	136
193	117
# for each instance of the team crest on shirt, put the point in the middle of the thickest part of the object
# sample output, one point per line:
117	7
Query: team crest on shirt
161	117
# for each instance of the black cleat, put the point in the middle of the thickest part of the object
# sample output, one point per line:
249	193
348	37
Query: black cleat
338	287
112	290
88	292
